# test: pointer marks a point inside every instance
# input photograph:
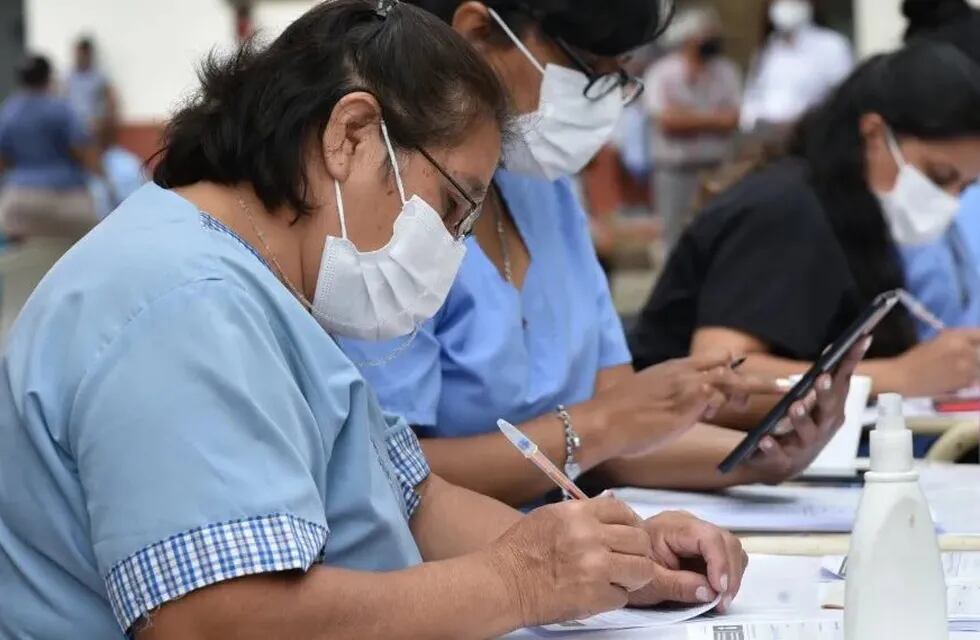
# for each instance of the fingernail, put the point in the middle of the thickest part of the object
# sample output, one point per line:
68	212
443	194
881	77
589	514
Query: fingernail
766	444
703	595
799	411
724	582
825	384
607	494
784	384
727	602
867	343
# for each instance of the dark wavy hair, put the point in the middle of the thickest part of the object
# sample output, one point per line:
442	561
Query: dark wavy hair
926	90
257	112
601	27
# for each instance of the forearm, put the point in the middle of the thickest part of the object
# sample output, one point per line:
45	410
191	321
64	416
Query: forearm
690	463
490	465
452	521
681	122
461	598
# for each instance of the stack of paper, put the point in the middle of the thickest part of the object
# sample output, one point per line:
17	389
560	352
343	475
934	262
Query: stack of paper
962	571
635	618
760	508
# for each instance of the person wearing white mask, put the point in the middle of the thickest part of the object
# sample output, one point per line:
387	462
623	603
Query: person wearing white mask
187	453
800	62
778	265
528	332
692	100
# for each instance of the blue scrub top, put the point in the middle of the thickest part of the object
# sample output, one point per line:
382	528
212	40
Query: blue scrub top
495	352
171	417
945	275
37	134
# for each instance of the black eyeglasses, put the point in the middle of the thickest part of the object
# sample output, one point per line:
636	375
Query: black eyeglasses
602	84
464	228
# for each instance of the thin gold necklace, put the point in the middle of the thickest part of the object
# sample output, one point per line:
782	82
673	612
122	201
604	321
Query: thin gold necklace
280	272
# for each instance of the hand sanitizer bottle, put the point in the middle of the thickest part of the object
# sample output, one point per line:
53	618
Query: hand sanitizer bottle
895	586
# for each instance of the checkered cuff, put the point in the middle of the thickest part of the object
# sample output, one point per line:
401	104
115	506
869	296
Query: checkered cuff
410	465
200	557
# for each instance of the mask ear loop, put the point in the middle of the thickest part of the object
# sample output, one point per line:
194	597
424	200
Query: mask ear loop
394	163
340	209
893	147
517	41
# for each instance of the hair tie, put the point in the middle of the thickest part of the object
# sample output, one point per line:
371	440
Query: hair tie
384	8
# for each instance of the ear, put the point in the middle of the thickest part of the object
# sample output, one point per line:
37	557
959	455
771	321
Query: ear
472	20
871	126
354	121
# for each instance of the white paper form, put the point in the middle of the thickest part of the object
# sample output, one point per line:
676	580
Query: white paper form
817	626
786	508
635	618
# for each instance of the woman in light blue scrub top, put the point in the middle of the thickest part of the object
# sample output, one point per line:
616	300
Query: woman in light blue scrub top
186	452
945	275
528	332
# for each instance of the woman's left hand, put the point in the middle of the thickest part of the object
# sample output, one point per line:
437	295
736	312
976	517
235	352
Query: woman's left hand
810	425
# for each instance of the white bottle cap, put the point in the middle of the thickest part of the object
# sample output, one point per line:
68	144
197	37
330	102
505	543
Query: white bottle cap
891	441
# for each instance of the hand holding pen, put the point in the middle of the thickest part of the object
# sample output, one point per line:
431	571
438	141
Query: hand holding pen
655	405
662	547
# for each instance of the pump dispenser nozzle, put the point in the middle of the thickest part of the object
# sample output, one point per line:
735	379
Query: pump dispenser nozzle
891	441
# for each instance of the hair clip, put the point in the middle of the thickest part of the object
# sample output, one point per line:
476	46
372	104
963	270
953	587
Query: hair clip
383	10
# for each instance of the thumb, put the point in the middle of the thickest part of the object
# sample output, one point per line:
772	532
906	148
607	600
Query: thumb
682	586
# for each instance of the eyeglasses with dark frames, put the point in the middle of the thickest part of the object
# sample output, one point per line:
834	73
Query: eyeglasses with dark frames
464	228
602	84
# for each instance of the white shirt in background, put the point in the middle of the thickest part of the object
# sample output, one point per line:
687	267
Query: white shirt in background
669	84
790	75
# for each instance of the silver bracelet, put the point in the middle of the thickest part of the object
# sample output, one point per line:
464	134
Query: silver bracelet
573	442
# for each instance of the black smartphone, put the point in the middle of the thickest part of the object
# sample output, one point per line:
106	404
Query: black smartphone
828	362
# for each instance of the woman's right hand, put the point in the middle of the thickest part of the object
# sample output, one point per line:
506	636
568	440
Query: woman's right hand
650	408
574	559
947	363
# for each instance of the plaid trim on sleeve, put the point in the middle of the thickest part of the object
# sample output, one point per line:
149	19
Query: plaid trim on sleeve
207	555
410	464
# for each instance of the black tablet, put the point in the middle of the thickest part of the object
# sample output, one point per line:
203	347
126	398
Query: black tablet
832	356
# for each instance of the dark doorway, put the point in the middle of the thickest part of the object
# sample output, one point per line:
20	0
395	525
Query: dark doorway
11	42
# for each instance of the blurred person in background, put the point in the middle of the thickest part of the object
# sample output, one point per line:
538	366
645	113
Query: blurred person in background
944	273
692	99
798	64
88	89
782	262
45	151
122	172
528	332
186	451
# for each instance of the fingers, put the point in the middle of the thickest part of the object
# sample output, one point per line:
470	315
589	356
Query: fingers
630	572
708	361
732	383
771	460
633	541
682	586
739	561
609	510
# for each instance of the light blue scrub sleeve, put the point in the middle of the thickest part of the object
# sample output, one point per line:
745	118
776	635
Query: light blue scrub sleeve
194	448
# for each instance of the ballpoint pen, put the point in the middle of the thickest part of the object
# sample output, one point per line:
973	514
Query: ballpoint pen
530	450
920	311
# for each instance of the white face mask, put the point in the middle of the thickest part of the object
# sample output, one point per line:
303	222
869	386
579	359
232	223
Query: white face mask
383	294
789	15
567	130
917	211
